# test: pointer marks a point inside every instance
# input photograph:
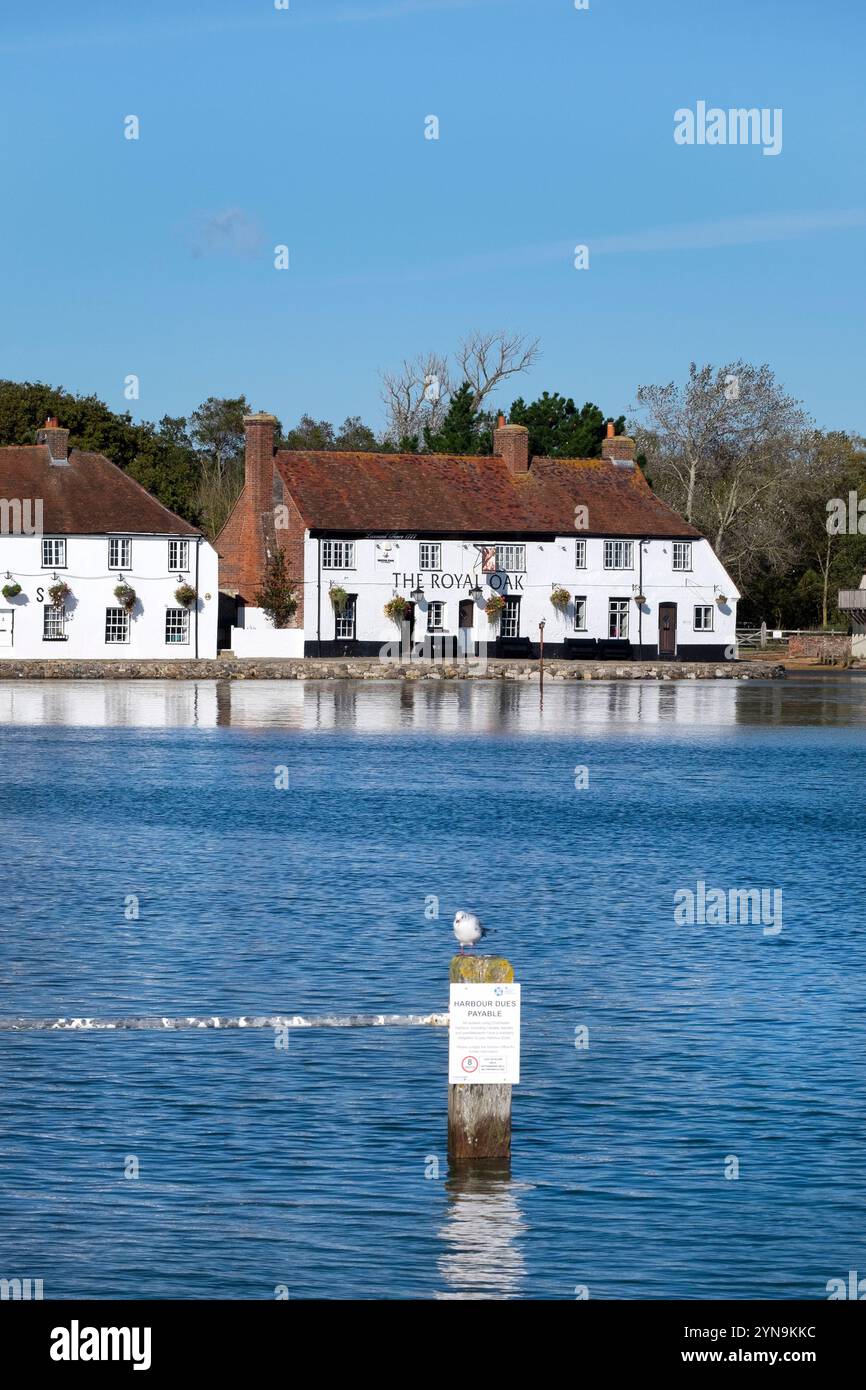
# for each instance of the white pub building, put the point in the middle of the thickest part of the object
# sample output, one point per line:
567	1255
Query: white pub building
92	566
477	551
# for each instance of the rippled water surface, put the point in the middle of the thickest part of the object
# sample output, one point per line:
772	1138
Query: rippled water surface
307	1168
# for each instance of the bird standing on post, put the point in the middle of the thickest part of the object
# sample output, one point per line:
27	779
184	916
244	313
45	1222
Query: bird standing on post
468	929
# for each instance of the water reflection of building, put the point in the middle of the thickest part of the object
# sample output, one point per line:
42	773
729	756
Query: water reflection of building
481	1234
110	703
586	709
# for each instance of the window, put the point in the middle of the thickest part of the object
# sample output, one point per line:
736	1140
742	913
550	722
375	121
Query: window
511	557
435	616
53	555
617	621
509	623
580	615
682	555
703	617
119	553
178	556
176	626
338	555
116	625
53	624
580	555
345	621
430	555
618	555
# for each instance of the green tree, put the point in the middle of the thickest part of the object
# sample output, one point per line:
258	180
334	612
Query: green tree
166	465
217	430
25	406
557	429
463	430
310	434
277	596
355	436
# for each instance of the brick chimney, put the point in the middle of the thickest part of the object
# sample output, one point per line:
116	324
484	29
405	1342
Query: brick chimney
618	448
511	442
56	439
259	461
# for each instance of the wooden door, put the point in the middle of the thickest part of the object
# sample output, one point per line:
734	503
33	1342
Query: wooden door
667	629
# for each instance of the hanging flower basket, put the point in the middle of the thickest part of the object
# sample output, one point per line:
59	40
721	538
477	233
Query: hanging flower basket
126	597
559	597
59	593
640	599
11	590
397	608
494	606
186	595
339	598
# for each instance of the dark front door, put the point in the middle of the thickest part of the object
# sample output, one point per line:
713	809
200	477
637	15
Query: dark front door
667	629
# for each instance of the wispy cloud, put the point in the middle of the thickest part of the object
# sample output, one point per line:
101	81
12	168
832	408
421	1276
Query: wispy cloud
747	229
303	14
229	232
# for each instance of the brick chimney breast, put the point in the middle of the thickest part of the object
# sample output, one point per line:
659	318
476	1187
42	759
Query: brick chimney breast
618	449
511	442
56	439
259	461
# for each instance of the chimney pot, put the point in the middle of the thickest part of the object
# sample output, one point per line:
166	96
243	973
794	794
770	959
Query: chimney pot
618	448
56	438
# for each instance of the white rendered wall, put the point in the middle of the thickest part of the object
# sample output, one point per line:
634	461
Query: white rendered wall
266	640
92	585
385	567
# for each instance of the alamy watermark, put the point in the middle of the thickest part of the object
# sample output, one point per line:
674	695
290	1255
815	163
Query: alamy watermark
25	1289
715	907
20	518
738	125
846	518
431	649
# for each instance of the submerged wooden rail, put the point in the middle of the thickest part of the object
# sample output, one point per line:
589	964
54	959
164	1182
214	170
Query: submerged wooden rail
159	1024
484	1045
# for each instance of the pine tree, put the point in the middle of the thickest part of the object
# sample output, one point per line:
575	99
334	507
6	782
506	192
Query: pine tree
463	430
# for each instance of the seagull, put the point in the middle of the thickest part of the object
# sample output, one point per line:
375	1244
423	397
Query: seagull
468	929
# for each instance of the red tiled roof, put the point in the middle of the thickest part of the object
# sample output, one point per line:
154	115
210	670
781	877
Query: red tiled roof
446	494
86	496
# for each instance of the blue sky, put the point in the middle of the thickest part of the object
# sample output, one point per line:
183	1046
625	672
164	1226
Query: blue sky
306	127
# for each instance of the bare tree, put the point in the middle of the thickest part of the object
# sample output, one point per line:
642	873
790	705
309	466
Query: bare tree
487	359
417	396
721	450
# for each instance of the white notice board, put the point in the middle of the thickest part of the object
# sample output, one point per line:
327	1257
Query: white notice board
484	1034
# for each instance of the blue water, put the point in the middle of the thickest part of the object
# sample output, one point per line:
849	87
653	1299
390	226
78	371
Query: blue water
306	1168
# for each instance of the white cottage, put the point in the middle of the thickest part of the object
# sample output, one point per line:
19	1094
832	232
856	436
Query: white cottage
480	551
91	565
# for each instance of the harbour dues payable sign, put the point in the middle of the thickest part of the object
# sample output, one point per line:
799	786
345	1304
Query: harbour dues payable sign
484	1034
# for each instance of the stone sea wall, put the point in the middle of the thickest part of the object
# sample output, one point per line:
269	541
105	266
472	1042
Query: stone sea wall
233	668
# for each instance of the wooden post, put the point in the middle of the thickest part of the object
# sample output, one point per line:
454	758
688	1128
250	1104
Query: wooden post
479	1117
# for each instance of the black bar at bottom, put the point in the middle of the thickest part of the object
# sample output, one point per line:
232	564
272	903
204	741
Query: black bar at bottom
163	1339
